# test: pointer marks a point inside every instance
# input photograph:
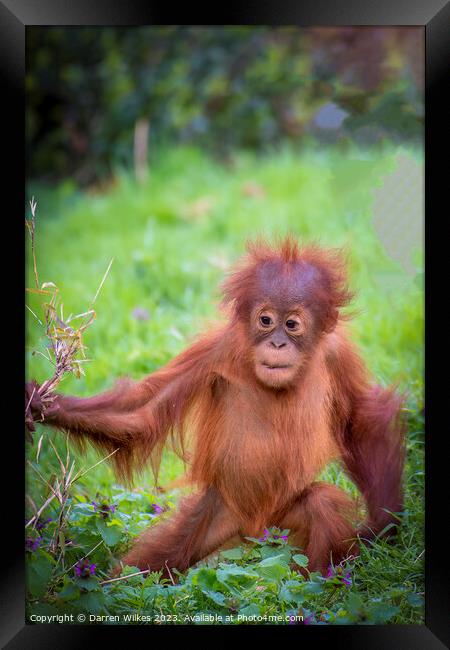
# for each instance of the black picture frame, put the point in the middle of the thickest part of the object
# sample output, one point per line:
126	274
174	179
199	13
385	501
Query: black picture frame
434	17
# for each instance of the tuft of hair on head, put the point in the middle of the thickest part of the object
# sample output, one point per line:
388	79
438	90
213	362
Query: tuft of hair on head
286	250
331	263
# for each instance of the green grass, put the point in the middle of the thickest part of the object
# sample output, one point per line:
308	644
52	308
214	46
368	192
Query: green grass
172	240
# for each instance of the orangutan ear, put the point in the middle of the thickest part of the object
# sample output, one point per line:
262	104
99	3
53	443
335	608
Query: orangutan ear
331	320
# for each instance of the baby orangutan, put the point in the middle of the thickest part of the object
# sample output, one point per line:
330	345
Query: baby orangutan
271	398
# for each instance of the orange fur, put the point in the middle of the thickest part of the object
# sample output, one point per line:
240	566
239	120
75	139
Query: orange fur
256	449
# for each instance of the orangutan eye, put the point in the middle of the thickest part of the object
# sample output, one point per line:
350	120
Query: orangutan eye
265	321
291	324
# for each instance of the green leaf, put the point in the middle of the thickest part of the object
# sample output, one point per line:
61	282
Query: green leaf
354	603
81	509
279	558
215	596
39	572
89	584
231	573
111	534
272	568
293	592
313	587
300	559
129	569
415	600
70	591
149	593
91	602
42	609
205	578
272	551
250	610
382	612
233	553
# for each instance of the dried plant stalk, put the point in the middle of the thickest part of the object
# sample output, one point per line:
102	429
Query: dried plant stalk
66	340
31	225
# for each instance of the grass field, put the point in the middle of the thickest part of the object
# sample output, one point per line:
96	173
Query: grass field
172	240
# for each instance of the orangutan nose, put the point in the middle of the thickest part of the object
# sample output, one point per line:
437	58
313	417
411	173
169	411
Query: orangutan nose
277	343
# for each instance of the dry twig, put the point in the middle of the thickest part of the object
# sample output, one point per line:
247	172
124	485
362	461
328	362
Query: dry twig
66	340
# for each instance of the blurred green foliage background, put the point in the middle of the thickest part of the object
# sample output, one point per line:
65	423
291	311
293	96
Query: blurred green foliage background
219	88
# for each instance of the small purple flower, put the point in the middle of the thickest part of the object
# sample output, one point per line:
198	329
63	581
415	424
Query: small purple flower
84	570
140	313
157	510
42	523
307	620
347	580
265	537
32	544
272	537
340	576
104	508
